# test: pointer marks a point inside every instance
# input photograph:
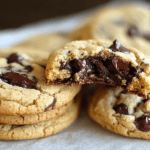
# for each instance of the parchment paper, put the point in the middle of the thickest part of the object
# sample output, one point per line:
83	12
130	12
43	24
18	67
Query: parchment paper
84	134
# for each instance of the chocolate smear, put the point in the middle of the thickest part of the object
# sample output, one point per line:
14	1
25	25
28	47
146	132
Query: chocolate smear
51	105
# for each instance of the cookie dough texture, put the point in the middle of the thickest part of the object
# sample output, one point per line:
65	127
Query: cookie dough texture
15	100
45	42
114	23
101	110
31	119
91	48
43	129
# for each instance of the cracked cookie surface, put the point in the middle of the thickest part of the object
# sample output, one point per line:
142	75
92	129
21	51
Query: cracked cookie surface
127	23
97	61
32	119
122	113
42	129
23	88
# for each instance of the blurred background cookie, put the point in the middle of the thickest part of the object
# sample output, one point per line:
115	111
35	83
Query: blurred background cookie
127	23
45	42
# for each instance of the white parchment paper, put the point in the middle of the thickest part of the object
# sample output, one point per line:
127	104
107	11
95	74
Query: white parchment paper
84	134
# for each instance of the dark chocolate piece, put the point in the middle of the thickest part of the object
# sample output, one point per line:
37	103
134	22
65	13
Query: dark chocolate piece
80	66
111	70
14	57
143	123
29	68
117	47
51	105
118	66
122	109
17	79
133	31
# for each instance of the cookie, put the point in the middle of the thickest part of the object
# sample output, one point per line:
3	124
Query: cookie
32	119
128	23
34	55
95	61
122	113
23	88
43	129
45	42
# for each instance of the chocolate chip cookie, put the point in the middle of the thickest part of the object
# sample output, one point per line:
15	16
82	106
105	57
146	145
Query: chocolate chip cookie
122	113
42	129
32	55
95	61
128	23
23	88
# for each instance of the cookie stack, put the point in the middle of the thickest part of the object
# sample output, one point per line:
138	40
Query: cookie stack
29	108
39	94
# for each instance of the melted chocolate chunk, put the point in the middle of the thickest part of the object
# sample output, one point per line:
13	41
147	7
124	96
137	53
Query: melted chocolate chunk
133	31
81	66
122	109
99	67
111	70
14	57
119	66
117	47
29	68
51	105
143	123
66	66
17	79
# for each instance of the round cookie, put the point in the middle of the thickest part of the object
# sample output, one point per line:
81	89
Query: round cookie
34	55
127	23
122	113
23	88
45	42
32	119
43	129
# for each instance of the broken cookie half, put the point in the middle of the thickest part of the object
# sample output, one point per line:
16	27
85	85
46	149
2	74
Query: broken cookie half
96	61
